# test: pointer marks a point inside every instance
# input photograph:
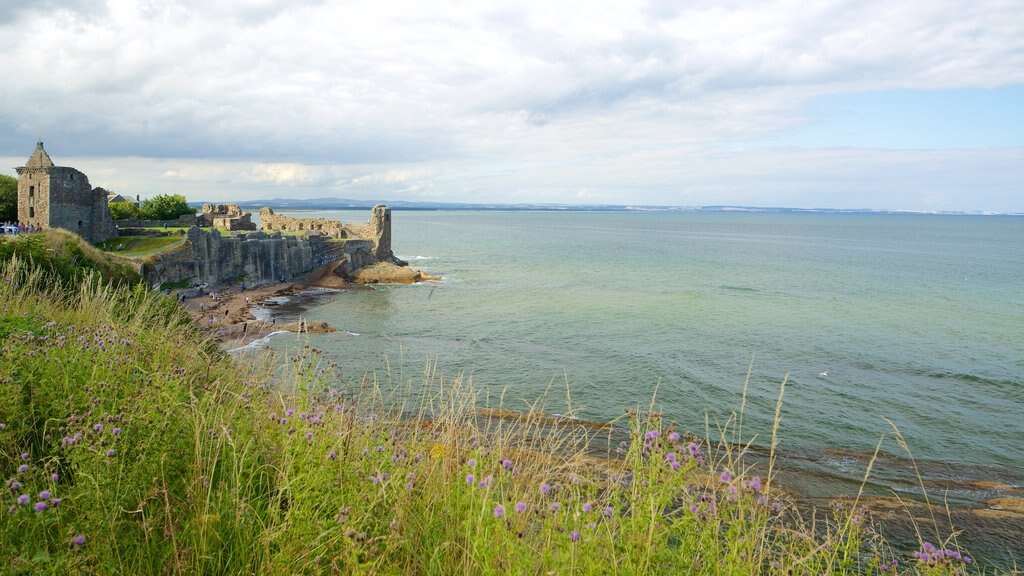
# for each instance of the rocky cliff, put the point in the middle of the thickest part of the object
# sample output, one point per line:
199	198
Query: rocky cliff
208	256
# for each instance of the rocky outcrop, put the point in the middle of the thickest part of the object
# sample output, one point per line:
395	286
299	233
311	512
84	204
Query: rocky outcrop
389	273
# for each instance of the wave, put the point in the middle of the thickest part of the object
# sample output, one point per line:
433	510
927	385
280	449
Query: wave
258	343
416	258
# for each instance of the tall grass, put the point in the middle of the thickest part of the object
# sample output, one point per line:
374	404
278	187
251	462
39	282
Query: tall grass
131	445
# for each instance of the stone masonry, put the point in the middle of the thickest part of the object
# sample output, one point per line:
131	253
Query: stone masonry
52	196
378	229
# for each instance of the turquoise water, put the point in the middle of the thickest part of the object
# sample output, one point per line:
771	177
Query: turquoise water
914	318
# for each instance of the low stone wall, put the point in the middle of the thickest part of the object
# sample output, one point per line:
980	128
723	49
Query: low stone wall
277	222
185	220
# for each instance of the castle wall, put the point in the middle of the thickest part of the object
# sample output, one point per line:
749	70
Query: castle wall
377	230
60	197
255	258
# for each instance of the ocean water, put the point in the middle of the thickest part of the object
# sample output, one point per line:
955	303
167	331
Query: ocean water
915	318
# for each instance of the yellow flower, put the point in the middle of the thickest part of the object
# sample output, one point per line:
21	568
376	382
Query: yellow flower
437	452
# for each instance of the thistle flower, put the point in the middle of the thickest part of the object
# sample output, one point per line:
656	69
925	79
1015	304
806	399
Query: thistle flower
23	468
24	499
520	507
55	478
506	464
574	536
755	483
651	435
332	454
40	506
78	541
555	506
545	488
471	462
470	479
499	511
673	437
725	477
97	426
587	507
44	495
110	452
116	431
24	455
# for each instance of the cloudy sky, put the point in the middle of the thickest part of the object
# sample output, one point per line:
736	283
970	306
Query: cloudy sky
913	104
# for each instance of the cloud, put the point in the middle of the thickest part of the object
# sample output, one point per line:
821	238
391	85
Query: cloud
315	95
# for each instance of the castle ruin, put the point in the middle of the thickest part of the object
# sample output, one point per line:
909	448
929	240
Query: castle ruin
377	229
52	196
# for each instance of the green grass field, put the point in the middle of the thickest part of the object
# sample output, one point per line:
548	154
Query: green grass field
139	245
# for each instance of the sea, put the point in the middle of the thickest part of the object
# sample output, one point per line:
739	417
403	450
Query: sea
876	323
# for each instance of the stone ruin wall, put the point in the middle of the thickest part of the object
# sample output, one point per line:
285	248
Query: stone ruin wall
377	229
229	217
277	222
258	258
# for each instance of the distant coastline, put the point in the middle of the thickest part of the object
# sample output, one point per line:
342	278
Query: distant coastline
353	204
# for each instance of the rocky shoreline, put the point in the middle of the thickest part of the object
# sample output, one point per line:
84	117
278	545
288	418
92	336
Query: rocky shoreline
225	312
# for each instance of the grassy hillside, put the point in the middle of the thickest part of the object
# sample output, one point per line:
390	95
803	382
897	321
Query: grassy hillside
130	445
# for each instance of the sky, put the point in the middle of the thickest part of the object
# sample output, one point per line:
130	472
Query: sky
907	105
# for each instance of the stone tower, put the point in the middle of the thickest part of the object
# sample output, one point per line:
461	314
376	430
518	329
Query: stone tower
52	196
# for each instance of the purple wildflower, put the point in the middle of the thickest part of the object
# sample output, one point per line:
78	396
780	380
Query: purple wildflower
309	435
675	465
97	426
555	506
408	485
44	495
520	507
470	478
117	431
506	464
78	541
499	511
673	437
40	506
694	508
471	462
587	507
24	455
545	488
23	468
755	483
290	413
110	452
56	501
24	499
574	536
651	434
332	454
55	478
609	511
725	477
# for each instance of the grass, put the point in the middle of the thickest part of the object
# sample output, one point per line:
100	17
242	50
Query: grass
129	444
139	245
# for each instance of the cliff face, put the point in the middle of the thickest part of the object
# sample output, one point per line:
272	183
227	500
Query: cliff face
256	258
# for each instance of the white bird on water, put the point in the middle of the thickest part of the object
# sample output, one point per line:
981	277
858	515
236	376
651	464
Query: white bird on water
823	374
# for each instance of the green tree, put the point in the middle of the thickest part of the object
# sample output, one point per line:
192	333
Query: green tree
165	207
124	210
8	198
